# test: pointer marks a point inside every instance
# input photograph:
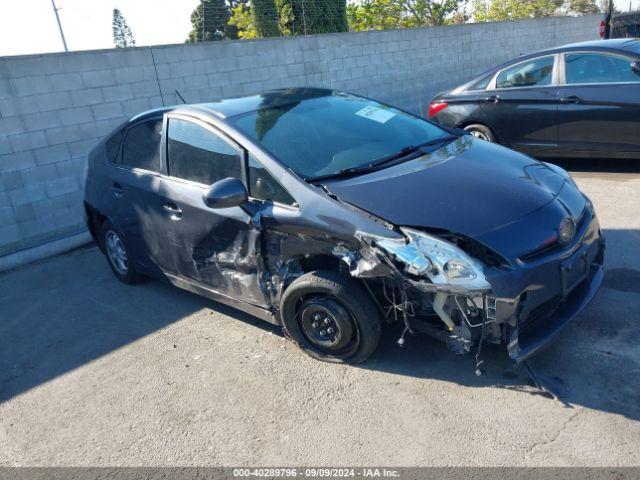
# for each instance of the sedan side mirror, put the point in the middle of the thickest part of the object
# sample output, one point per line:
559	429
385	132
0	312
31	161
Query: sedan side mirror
635	67
226	193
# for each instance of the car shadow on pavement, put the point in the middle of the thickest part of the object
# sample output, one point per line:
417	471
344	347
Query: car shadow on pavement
67	311
594	362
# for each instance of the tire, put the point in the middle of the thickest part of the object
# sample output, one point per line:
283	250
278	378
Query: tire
325	297
481	131
112	241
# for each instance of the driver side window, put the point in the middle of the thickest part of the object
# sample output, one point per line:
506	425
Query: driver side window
598	68
263	186
199	155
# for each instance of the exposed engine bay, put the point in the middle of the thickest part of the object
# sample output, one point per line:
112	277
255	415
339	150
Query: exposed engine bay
448	300
435	282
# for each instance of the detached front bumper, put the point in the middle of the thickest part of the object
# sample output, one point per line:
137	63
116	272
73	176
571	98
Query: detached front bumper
533	334
551	293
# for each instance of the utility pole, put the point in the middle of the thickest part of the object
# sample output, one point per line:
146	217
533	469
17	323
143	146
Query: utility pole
203	18
55	10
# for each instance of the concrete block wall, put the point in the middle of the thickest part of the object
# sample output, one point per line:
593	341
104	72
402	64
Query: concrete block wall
55	107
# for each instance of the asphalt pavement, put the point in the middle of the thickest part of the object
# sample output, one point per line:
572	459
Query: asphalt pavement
94	372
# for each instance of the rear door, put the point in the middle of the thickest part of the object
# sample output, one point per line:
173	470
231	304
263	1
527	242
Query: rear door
134	185
599	112
217	248
521	105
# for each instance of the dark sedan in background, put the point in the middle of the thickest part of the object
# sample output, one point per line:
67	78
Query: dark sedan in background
579	100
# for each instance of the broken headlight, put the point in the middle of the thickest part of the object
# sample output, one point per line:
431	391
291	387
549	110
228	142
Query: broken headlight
441	262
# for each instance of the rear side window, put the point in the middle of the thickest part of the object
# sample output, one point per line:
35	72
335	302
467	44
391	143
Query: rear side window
264	187
112	147
598	68
142	146
199	155
536	72
481	84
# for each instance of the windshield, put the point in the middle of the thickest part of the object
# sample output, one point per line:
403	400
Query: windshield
331	133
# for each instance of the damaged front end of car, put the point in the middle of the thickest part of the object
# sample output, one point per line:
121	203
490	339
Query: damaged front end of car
459	291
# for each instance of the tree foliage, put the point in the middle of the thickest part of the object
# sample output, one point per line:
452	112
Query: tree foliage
122	36
385	14
266	18
496	10
375	15
309	17
429	13
214	15
587	6
243	20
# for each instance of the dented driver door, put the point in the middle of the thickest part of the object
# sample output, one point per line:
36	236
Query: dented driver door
215	248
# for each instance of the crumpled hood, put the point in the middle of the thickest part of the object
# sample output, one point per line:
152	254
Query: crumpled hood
468	186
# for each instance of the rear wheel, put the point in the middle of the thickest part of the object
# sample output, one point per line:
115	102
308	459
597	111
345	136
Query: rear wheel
480	131
330	317
118	255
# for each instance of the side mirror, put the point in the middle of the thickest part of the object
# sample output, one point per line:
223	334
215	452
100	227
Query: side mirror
226	193
635	67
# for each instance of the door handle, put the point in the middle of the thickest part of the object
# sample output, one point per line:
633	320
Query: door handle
174	210
571	99
117	190
492	98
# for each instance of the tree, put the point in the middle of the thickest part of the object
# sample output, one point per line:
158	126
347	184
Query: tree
496	10
266	18
122	36
429	13
210	21
585	6
318	16
253	23
385	14
374	15
242	19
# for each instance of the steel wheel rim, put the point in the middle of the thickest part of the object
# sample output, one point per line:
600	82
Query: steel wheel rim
116	252
328	325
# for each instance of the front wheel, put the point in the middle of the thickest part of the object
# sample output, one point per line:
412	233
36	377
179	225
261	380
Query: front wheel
480	131
331	317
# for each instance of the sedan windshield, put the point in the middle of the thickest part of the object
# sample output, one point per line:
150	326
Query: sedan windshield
329	134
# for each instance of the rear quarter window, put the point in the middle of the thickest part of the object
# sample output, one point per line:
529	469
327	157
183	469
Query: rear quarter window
481	84
112	147
141	147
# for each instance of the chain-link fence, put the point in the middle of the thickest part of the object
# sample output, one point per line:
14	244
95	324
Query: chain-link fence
100	24
230	19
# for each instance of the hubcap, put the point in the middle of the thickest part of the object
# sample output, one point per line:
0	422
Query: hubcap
116	252
326	323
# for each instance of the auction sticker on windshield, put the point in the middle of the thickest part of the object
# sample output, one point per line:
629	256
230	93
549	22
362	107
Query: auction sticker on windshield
376	114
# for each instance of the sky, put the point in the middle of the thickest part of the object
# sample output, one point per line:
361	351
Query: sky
29	26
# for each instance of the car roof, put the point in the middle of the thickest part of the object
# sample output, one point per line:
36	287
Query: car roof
621	44
631	45
627	44
230	107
